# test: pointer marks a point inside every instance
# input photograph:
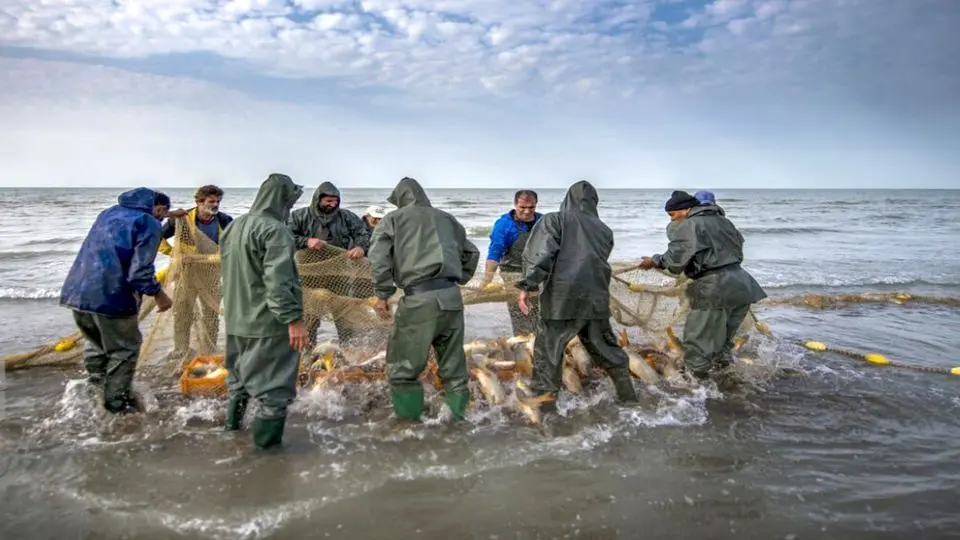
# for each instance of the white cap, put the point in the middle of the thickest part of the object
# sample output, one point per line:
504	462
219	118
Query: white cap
376	211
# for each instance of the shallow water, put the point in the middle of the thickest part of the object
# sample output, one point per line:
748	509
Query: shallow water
830	448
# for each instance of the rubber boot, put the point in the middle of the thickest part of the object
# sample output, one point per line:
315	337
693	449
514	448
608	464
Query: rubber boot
623	385
457	401
408	404
268	432
236	408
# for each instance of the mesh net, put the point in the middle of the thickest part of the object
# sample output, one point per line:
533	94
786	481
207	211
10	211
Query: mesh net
339	295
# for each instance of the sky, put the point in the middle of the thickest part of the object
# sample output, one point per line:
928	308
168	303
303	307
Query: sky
481	93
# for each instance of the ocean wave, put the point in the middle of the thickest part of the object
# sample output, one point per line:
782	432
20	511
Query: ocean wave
52	241
780	231
480	232
32	255
833	283
28	293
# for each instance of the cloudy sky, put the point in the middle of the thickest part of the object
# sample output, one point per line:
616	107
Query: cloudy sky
481	93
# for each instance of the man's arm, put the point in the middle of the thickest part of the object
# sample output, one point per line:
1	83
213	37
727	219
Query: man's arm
142	276
280	277
498	247
540	253
359	235
297	223
681	250
469	256
380	257
167	231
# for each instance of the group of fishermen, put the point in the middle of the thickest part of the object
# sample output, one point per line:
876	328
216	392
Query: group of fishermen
414	247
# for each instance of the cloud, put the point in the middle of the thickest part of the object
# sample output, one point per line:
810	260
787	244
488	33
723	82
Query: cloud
476	90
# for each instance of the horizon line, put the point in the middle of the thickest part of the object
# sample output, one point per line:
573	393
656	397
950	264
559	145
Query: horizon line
508	189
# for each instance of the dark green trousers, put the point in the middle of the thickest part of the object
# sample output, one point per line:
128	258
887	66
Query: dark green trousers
111	347
432	319
264	368
598	339
708	336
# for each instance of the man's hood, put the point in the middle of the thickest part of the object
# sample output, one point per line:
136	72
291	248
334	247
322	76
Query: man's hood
324	190
705	210
276	197
408	193
138	199
581	197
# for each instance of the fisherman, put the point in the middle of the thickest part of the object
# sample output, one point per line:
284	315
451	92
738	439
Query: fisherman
110	275
372	215
263	302
199	234
424	251
324	223
707	248
507	240
566	258
706	198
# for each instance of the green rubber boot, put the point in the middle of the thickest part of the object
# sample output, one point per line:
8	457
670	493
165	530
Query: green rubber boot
268	432
236	408
623	384
457	401
408	404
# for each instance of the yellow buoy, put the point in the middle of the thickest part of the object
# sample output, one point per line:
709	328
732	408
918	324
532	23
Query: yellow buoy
875	358
161	274
64	345
763	328
955	371
492	287
815	346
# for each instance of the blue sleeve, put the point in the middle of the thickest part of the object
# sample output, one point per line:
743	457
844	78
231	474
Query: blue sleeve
169	228
146	239
498	240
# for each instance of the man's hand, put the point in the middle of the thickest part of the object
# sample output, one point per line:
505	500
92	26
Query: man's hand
355	253
315	243
163	301
647	263
382	309
178	213
522	300
298	335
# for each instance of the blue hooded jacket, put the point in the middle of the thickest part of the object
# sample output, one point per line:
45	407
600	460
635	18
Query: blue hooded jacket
114	267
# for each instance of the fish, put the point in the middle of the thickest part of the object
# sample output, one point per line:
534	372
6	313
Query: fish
622	338
326	361
578	356
502	365
476	346
217	373
524	363
571	381
530	406
489	385
379	357
642	370
739	342
522	338
673	343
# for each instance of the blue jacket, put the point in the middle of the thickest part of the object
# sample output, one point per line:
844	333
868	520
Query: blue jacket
504	234
115	264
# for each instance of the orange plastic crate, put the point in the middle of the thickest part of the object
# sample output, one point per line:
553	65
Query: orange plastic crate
204	385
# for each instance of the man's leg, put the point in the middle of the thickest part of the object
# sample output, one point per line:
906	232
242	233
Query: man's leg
452	363
605	352
209	299
345	332
735	318
410	339
548	350
269	368
704	334
121	341
239	397
94	357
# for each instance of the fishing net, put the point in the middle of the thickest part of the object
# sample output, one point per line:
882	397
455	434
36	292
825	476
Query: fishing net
338	300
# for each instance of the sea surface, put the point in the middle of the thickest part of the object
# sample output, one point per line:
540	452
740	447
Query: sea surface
827	447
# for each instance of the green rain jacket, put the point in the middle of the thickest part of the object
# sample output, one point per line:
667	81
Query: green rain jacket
708	249
567	253
261	285
417	242
341	228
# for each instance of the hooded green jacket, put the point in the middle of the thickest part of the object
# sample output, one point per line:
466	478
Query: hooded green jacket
261	285
708	249
567	253
341	228
417	242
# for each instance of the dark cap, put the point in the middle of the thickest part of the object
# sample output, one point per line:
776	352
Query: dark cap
680	200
